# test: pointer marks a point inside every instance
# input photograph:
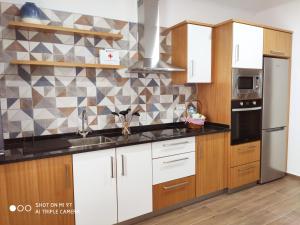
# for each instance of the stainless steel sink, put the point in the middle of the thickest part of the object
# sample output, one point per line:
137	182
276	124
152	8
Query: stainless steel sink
91	141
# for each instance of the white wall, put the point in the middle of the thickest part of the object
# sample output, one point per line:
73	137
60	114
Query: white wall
171	11
288	16
113	9
174	11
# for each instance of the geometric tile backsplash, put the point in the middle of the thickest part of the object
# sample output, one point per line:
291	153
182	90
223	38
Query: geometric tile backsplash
48	100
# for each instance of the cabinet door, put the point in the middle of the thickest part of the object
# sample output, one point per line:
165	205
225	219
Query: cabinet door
247	46
55	181
199	54
277	43
38	181
211	174
95	187
134	181
21	189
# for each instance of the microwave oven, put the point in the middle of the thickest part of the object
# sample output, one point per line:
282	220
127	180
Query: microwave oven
246	84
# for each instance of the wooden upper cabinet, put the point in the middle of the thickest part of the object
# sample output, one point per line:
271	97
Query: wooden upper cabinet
191	50
211	173
32	182
277	43
247	51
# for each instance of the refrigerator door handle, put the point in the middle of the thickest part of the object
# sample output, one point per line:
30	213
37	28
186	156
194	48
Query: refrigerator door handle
274	129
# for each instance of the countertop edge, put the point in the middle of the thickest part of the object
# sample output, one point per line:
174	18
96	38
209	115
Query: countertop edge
63	152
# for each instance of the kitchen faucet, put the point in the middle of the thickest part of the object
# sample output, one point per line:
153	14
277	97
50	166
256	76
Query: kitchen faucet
84	130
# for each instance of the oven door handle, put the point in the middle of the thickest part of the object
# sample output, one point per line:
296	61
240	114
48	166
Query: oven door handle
246	109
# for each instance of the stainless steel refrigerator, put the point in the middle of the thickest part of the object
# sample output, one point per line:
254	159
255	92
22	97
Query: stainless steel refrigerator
274	119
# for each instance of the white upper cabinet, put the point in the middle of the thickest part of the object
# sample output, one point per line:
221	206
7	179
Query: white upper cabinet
199	54
134	181
95	187
247	49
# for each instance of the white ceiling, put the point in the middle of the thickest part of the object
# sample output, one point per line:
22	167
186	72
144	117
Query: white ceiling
251	5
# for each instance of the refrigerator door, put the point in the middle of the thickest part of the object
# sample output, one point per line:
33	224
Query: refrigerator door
273	156
275	93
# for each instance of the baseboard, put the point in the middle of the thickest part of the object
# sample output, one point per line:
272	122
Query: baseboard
234	190
172	208
293	175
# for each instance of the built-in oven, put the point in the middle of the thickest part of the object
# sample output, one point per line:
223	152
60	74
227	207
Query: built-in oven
246	84
246	119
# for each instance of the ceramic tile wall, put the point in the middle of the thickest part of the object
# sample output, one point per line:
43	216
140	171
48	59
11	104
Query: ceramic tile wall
49	100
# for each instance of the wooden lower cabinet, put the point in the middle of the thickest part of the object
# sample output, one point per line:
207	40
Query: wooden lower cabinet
244	153
211	164
245	174
173	192
33	182
244	164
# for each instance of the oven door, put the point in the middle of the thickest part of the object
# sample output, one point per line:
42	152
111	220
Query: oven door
246	125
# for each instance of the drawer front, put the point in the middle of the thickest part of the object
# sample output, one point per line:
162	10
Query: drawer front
173	192
173	167
173	147
245	153
244	174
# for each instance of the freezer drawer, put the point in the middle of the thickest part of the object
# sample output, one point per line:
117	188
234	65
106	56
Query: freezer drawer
273	156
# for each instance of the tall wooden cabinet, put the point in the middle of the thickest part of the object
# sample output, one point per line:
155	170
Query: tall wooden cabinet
211	168
237	44
32	182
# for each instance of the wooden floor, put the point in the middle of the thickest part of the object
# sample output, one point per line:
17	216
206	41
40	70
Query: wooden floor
276	203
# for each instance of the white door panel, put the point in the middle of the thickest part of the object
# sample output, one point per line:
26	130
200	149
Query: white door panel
134	186
95	187
199	54
247	49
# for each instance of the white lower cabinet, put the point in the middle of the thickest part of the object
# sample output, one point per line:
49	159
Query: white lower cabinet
134	181
112	186
95	188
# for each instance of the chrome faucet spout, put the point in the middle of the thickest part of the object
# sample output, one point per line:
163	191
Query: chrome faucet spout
84	129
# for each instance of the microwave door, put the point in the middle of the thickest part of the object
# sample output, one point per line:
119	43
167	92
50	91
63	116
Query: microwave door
245	83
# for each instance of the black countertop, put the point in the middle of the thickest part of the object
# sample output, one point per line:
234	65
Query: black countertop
56	145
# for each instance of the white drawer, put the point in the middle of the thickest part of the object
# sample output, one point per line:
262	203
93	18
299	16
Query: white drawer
173	167
173	147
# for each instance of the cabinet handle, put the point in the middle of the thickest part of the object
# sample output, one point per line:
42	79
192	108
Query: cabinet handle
237	53
176	160
67	175
178	143
248	149
176	186
276	52
192	65
123	165
246	169
112	167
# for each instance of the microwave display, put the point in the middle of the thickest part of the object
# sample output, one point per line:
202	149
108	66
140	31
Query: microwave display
245	83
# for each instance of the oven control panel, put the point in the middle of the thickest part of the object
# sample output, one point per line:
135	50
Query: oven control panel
237	104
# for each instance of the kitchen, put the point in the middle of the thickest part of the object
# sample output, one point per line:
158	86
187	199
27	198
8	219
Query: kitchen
156	112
